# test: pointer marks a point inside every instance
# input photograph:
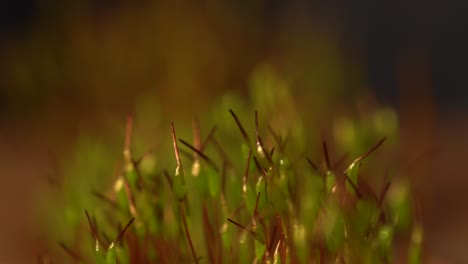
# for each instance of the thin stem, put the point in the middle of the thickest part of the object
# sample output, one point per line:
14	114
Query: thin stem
260	168
168	178
372	149
312	164
272	151
251	232
246	174
176	148
270	247
255	214
130	197
105	199
241	128
327	157
276	138
201	154
209	235
70	252
260	141
196	133
208	138
119	237
383	193
355	188
91	226
128	132
187	233
223	178
340	161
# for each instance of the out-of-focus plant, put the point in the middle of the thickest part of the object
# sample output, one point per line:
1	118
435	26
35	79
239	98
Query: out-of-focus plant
241	185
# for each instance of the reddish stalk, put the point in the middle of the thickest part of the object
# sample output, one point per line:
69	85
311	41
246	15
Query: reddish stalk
246	174
209	235
260	168
383	193
176	148
277	229
327	157
130	197
70	252
355	188
200	154
187	233
241	128
265	174
312	164
260	141
168	178
128	132
188	155
371	150
196	133
255	213
251	232
91	226
208	138
340	161
276	138
223	178
119	237
272	151
105	199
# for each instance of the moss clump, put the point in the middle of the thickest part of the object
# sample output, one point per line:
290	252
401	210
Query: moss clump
231	191
238	197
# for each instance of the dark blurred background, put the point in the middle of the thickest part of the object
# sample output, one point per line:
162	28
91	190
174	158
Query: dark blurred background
65	66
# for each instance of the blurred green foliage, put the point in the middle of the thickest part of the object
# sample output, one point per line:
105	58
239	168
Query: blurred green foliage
165	61
235	197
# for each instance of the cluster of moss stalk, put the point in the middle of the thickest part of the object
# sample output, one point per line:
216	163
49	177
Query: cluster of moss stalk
246	200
